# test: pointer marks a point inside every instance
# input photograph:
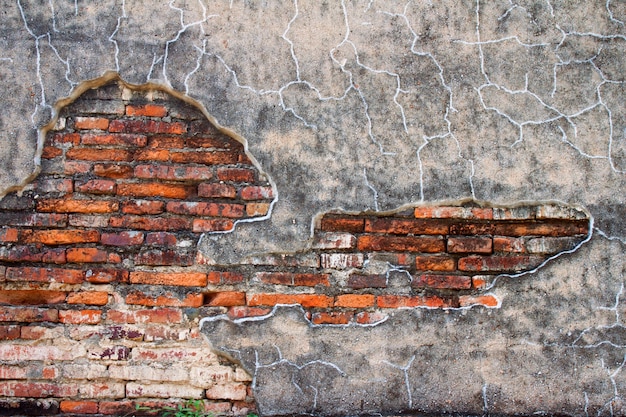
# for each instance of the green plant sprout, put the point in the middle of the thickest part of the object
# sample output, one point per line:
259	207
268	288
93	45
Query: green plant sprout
191	408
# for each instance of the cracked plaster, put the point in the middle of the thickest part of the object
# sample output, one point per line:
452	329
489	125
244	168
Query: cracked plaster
370	106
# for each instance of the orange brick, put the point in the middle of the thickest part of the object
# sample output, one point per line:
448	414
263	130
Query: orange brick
212	225
166	300
80	316
174	172
205	157
406	301
222	277
487	300
160	155
31	297
147	126
33	274
114	140
305	300
73	138
113	171
254	192
147	110
508	244
28	314
217	190
166	142
143	207
257	209
428	244
333	317
51	152
79	407
551	228
236	174
106	276
151	223
96	298
406	226
208	209
87	255
95	187
342	224
470	244
435	263
157	315
92	154
77	206
238	312
87	123
154	190
456	282
186	279
225	299
355	300
8	235
63	237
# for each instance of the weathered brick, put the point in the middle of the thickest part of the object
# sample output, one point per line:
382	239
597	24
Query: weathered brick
366	317
173	172
366	281
53	185
165	257
161	239
63	138
550	245
13	202
227	392
136	390
126	238
165	300
31	297
146	110
435	263
34	332
405	226
114	139
212	157
102	390
117	408
8	235
487	300
305	300
21	254
9	332
28	372
499	263
155	190
77	206
407	301
332	317
508	244
143	207
238	312
470	244
308	260
39	353
341	260
95	186
148	373
62	237
236	174
254	192
28	314
95	154
151	223
80	316
455	282
287	278
157	315
206	377
116	171
87	123
34	274
212	225
178	354
188	279
34	220
224	277
147	126
77	167
166	142
152	155
548	228
113	353
88	220
216	190
470	228
450	212
257	209
87	255
209	209
79	407
37	389
106	276
96	298
225	299
355	300
427	244
332	240
51	152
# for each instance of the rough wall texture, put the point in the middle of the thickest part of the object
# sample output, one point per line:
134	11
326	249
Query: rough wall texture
352	114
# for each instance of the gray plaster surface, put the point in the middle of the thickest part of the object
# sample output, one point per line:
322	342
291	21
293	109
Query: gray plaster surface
371	105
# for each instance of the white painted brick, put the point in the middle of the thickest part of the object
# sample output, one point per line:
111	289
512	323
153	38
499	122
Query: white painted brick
135	390
235	392
148	373
334	241
84	371
341	260
206	377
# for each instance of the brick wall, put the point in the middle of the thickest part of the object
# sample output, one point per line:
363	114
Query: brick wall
103	288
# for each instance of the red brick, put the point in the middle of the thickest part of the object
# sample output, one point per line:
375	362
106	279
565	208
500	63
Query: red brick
161	239
469	244
63	237
253	192
114	140
166	300
76	167
548	228
95	298
106	276
9	332
342	224
165	257
166	142
213	157
218	277
508	244
77	206
157	315
212	225
31	297
187	279
28	314
143	207
33	274
37	389
435	263
21	254
61	138
216	190
366	317
147	126
236	175
118	408
487	300
87	255
366	281
455	282
499	263
429	244
406	301
79	407
405	226
469	228
332	317
305	300
8	235
206	209
151	223
115	171
212	140
238	312
173	172
225	299
92	154
286	278
80	316
126	238
95	187
51	152
146	110
160	155
154	190
87	123
355	300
